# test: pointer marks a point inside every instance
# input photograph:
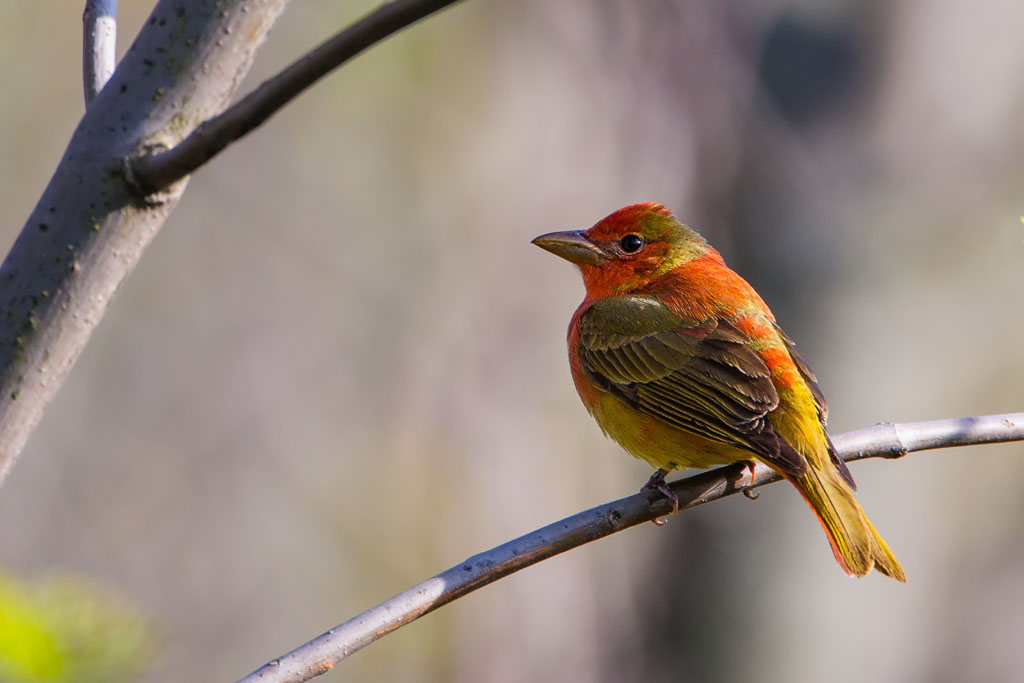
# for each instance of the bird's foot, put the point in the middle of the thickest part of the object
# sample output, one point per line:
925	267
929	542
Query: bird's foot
749	491
657	483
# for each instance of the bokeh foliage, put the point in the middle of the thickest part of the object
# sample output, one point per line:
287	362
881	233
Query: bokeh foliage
66	629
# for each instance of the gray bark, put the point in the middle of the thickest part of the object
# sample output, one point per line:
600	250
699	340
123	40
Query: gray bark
99	40
92	224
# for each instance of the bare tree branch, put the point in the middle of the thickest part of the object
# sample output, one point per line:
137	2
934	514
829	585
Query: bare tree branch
100	210
90	227
157	171
884	440
99	41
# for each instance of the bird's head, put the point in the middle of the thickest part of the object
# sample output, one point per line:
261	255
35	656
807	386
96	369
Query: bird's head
627	250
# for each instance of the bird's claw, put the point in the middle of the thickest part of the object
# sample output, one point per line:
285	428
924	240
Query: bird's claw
749	491
657	483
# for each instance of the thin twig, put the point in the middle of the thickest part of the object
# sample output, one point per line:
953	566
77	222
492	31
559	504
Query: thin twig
99	40
881	441
157	171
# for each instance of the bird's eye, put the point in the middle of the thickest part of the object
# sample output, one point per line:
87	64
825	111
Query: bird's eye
631	243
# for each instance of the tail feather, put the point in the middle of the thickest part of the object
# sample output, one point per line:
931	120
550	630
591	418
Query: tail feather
855	542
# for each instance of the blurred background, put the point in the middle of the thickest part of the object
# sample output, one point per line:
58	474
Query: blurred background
341	366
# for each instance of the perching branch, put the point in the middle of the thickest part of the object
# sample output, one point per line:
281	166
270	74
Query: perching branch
99	40
881	441
157	171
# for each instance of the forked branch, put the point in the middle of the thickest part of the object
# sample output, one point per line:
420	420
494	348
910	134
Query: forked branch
881	441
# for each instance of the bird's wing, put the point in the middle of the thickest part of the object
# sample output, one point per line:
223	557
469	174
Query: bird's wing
699	376
819	401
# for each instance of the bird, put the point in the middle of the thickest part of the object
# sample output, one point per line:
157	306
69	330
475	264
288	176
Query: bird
682	364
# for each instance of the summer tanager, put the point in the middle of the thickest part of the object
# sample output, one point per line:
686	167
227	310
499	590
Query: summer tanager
681	362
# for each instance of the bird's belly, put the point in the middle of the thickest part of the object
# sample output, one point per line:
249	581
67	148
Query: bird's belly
658	443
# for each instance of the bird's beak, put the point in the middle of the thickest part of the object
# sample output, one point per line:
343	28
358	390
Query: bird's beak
572	245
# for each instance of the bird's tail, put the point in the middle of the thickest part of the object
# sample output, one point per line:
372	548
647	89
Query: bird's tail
857	546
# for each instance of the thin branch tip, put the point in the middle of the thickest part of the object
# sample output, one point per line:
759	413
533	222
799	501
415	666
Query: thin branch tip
214	135
99	43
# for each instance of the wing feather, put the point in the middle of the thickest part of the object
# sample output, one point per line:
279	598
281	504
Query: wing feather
700	377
